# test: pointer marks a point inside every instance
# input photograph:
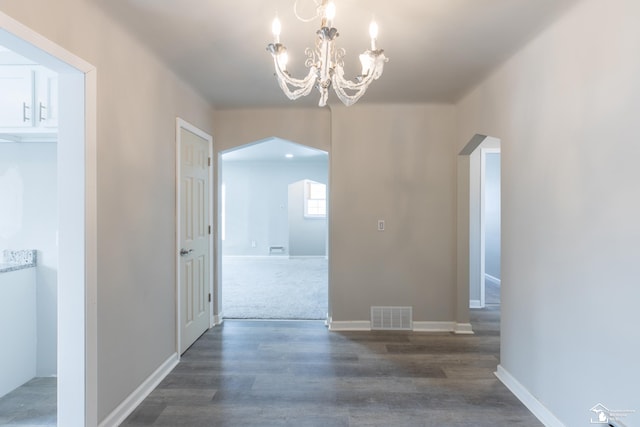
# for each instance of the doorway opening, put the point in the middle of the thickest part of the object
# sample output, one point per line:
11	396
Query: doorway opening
74	242
479	207
490	225
28	247
273	231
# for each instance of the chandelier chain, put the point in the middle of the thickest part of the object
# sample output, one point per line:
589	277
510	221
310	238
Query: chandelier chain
317	15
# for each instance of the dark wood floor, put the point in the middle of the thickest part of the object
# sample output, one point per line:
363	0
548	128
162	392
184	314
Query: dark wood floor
270	373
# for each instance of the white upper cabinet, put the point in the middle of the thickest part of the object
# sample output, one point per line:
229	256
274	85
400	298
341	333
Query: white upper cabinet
28	103
16	96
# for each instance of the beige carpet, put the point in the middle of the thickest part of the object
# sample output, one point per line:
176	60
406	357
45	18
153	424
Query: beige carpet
274	288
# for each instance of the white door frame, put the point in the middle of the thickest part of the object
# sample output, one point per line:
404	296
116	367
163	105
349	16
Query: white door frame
77	227
183	124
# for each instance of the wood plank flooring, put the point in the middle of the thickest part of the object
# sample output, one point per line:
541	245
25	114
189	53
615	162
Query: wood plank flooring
293	373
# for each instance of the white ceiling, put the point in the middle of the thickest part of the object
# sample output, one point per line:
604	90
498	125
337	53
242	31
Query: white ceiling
274	150
8	57
438	49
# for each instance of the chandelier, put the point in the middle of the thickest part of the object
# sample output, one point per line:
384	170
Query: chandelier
326	62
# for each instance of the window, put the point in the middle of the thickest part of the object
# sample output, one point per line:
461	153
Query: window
315	200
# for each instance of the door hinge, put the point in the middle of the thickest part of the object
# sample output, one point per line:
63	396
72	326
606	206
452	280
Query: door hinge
209	161
209	229
209	297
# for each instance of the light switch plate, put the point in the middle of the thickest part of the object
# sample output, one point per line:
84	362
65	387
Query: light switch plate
381	225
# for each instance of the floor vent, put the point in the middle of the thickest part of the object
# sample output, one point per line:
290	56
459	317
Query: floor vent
392	318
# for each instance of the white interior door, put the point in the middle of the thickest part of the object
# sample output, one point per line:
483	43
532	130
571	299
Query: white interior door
194	266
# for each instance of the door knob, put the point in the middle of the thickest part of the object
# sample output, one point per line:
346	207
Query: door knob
184	252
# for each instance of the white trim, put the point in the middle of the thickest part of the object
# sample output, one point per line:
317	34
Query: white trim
178	330
307	257
483	167
475	303
492	279
422	326
77	305
183	124
91	248
253	257
541	412
349	325
218	319
463	329
118	415
418	326
24	39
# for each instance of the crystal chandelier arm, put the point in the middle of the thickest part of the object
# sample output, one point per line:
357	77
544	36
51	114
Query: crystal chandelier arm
303	86
346	99
340	84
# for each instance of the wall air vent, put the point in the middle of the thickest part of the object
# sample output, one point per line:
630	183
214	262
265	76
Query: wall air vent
392	318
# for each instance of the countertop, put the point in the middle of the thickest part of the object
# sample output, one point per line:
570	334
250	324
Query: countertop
18	260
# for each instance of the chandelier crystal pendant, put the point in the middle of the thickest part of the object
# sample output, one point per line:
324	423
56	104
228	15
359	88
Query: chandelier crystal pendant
326	62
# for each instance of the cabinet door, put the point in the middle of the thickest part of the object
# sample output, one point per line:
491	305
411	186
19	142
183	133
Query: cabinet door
46	104
16	96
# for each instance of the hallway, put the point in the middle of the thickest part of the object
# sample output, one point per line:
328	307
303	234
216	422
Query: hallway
269	373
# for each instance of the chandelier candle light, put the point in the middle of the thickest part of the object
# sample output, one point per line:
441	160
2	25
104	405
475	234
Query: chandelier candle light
326	62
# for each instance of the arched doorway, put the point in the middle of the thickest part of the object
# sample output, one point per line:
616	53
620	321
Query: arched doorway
478	223
274	262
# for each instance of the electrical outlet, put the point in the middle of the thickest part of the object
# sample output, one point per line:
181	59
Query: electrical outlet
253	243
381	225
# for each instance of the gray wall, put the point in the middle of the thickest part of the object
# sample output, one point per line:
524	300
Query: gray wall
395	163
257	202
307	236
138	101
566	111
492	215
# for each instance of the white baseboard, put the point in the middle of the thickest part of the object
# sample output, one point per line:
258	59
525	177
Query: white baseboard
365	325
463	329
218	319
307	257
492	279
118	415
419	326
253	257
350	325
458	328
541	412
475	303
